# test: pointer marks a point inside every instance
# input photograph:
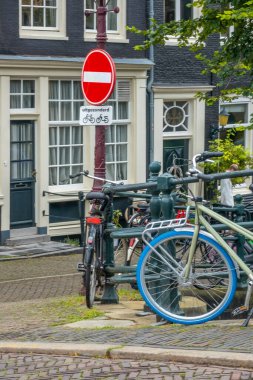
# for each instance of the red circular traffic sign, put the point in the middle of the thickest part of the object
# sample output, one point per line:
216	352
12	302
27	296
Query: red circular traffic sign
98	76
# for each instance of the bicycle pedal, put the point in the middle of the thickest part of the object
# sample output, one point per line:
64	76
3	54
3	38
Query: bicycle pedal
81	267
239	310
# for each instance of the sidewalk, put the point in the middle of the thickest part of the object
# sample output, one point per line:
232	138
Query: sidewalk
120	333
123	334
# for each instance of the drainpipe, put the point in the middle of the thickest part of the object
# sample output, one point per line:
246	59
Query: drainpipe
150	95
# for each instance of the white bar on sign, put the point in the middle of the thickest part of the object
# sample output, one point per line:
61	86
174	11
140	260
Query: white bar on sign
99	77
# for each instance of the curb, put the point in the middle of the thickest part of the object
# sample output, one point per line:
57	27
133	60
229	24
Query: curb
224	359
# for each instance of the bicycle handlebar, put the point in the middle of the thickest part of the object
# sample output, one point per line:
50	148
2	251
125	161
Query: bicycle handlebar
96	195
86	174
205	155
217	176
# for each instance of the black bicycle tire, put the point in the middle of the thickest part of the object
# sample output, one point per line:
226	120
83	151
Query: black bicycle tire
90	278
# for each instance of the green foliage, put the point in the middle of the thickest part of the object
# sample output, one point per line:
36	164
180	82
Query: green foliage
69	309
71	241
116	217
233	154
233	58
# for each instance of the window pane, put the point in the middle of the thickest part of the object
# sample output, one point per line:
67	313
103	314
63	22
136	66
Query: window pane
170	10
90	22
15	86
123	110
121	153
53	111
238	113
121	172
51	3
38	2
75	170
15	101
51	18
77	155
65	90
77	93
14	152
111	21
64	156
53	89
64	173
109	134
29	86
186	12
52	176
121	133
26	17
76	110
64	135
109	153
77	135
66	111
26	2
110	171
38	17
89	4
28	101
52	136
52	156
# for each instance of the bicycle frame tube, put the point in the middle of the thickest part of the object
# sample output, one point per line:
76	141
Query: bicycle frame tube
220	240
193	245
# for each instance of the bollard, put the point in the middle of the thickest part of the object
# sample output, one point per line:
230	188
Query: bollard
155	201
110	295
81	206
167	199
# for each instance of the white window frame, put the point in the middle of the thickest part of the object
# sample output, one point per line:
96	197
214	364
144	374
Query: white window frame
117	122
118	35
70	124
22	110
172	41
248	134
240	101
57	33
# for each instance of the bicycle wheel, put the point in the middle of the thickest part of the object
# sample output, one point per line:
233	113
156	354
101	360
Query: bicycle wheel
90	277
120	252
160	278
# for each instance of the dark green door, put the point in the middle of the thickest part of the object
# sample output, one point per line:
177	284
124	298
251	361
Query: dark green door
22	174
175	152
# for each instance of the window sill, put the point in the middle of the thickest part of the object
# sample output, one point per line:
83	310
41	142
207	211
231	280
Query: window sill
111	38
35	35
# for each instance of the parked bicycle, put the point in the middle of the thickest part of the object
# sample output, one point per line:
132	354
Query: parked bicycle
178	277
127	251
92	265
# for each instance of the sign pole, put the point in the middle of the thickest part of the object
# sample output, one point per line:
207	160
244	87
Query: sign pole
99	162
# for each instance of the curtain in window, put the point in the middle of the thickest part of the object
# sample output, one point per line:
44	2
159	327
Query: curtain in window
112	17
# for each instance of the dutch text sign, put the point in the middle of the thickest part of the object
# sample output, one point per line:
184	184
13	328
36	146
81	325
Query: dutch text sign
91	115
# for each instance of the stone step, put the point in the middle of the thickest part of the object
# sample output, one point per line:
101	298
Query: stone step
38	249
29	239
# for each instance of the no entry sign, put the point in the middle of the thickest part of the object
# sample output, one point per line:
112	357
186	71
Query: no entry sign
98	76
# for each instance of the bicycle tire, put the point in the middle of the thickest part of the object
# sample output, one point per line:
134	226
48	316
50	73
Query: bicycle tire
181	301
90	277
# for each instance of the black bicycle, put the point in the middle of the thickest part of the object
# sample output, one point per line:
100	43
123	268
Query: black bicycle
92	265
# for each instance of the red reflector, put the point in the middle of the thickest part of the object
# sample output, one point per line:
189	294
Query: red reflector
93	220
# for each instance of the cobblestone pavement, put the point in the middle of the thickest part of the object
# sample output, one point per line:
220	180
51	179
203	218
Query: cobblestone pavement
28	367
36	278
22	282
